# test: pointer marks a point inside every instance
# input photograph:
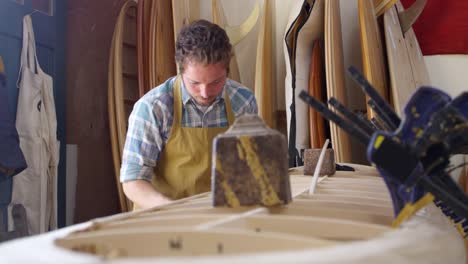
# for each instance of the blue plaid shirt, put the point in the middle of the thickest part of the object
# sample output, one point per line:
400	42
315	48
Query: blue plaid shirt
151	120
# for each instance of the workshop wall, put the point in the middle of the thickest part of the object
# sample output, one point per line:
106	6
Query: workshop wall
89	34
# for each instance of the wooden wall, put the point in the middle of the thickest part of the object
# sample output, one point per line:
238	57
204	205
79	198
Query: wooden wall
90	27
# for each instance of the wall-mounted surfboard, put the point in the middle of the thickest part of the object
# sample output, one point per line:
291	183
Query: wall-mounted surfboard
335	76
381	6
463	180
152	42
318	90
235	34
142	34
220	19
373	58
184	12
162	45
123	90
406	64
418	65
264	90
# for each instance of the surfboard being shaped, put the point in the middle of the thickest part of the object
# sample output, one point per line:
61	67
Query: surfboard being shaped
351	226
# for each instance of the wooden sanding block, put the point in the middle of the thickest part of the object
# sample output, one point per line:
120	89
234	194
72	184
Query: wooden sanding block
250	165
311	157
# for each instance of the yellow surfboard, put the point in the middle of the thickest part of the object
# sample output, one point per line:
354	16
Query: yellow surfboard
220	19
373	60
264	91
335	76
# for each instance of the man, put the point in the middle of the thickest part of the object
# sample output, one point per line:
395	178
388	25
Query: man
167	153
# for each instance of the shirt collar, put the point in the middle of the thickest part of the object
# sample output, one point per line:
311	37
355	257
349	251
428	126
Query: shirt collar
186	97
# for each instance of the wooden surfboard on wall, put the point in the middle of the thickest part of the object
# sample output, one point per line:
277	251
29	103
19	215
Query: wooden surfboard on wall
406	64
123	90
373	58
264	90
141	47
219	18
152	40
163	46
335	76
317	90
463	180
144	51
418	65
157	57
401	78
184	12
381	6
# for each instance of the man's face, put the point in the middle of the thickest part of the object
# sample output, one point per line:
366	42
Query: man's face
204	82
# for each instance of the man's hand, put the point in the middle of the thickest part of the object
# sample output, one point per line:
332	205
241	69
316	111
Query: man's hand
143	195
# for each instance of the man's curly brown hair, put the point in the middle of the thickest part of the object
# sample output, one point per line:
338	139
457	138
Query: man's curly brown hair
202	42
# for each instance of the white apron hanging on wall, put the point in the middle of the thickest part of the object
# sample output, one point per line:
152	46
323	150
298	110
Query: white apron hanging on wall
36	187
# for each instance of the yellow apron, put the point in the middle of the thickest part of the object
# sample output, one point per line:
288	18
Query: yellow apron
185	165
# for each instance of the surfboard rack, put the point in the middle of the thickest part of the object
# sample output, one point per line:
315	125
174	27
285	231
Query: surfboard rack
407	17
410	15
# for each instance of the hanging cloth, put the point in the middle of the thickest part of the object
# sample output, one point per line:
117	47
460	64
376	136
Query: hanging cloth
11	158
36	187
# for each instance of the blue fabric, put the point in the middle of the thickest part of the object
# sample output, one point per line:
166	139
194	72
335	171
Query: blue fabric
12	160
6	186
4	220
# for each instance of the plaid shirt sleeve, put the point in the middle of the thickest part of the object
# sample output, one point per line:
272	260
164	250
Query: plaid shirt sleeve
251	106
148	127
242	98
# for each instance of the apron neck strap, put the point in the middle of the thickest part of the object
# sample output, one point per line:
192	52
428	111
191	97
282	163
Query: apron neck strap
178	104
28	52
177	101
227	103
